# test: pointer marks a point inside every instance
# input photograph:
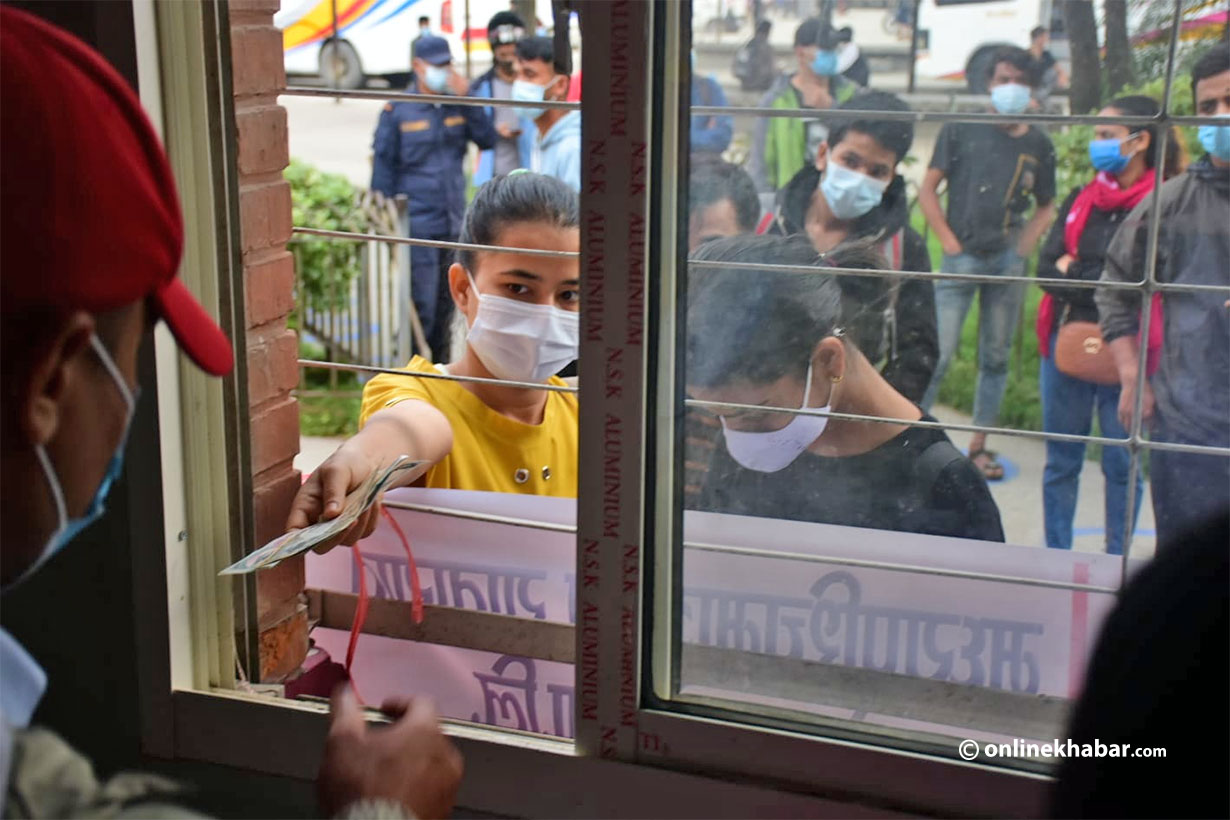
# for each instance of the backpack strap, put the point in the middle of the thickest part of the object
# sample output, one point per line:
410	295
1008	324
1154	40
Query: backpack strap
933	461
891	248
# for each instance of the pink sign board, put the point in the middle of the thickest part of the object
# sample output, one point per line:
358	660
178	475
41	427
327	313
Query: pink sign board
977	631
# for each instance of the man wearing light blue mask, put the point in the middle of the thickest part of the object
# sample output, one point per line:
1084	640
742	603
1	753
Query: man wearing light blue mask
1186	400
783	145
853	191
418	151
995	173
558	147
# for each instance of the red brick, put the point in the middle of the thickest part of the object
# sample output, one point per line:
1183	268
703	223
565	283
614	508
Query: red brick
273	367
275	434
265	215
256	60
252	11
279	587
284	646
269	288
263	144
271	503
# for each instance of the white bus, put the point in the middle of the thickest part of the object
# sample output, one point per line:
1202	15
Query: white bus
346	41
957	37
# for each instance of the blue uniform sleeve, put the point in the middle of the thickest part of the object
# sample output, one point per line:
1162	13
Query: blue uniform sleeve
712	133
384	153
480	127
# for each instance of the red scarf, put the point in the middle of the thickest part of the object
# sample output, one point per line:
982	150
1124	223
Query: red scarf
1104	194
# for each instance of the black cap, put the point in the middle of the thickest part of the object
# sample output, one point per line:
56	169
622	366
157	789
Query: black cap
814	32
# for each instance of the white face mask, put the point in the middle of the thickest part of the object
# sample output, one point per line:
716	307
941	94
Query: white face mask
777	450
522	342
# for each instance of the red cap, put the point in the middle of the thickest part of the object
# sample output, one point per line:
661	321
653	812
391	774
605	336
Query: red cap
90	217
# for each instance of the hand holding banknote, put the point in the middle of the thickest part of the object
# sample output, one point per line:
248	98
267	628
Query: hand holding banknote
352	517
324	493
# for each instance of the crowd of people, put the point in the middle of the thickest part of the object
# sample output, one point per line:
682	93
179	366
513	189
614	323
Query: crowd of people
420	148
988	199
822	191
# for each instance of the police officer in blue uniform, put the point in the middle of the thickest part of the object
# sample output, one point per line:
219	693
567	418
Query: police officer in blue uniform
418	151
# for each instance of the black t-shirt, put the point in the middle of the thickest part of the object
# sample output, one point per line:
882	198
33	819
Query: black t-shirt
1038	66
991	178
888	488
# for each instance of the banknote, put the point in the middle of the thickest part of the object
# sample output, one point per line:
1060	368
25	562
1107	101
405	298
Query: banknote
400	471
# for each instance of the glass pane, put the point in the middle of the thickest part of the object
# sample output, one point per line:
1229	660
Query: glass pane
482	341
907	454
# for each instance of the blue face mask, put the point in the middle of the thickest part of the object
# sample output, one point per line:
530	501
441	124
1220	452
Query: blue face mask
824	64
1107	155
436	78
849	193
525	91
68	528
1216	140
1010	98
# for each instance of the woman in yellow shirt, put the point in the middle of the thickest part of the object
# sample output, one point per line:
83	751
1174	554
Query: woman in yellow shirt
521	311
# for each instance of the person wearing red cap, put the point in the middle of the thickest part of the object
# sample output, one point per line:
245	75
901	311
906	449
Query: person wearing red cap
90	240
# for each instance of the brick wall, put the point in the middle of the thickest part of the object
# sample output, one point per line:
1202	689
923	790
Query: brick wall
265	215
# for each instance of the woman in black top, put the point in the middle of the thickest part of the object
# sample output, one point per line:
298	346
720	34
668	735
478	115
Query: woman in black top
1075	249
775	339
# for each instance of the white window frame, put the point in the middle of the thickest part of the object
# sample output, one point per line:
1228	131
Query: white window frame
633	753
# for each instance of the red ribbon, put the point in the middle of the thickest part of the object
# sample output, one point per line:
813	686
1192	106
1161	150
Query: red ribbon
360	612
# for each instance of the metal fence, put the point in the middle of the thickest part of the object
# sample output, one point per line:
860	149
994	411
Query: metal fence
371	319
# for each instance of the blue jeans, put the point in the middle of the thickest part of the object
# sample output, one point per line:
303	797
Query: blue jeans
999	310
1068	406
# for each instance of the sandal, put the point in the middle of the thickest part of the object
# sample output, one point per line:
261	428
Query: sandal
990	468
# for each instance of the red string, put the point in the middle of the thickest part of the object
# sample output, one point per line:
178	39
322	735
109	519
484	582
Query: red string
416	604
360	612
360	617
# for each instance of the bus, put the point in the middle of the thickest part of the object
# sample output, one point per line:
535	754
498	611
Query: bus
345	42
956	38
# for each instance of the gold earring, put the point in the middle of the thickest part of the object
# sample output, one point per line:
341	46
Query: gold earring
836	379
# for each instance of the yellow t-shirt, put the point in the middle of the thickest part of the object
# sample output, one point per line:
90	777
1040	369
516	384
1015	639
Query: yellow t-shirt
490	451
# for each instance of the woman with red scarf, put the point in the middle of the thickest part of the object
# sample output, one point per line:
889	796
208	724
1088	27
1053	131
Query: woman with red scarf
1124	159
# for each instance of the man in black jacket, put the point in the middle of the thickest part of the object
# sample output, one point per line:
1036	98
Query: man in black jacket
853	192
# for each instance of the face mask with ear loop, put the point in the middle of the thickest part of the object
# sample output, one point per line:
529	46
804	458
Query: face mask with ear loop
68	528
522	342
526	91
776	450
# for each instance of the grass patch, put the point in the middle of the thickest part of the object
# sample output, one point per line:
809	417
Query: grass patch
328	415
332	406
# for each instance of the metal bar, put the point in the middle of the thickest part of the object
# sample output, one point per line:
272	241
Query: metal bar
360	368
752	551
968	428
430	99
1146	299
800	113
476	516
921	116
868	691
783	555
446	626
755	267
433	243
